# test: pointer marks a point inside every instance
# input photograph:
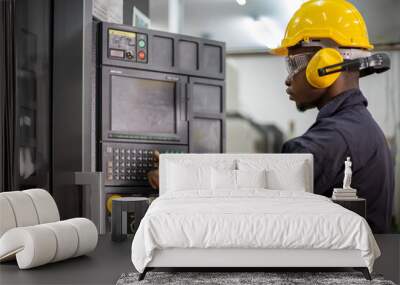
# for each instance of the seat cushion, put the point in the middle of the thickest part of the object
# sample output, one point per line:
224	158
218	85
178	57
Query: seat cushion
26	208
24	211
45	205
40	244
7	220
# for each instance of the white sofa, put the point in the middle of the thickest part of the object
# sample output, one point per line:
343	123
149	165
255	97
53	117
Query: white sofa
31	231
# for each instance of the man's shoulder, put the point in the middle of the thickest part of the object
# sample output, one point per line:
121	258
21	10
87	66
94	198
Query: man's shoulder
322	135
352	125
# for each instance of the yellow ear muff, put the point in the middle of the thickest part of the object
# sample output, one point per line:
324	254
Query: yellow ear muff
323	58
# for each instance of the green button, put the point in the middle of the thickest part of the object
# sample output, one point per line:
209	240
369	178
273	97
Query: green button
142	43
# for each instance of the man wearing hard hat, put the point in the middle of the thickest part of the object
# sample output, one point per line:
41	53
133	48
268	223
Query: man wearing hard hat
327	50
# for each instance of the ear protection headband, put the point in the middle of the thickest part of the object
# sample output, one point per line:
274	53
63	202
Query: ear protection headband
327	64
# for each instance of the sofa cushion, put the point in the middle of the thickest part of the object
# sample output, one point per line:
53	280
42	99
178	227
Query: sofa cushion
7	220
26	208
23	208
40	244
45	205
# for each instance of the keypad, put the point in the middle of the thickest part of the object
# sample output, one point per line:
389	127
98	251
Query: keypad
130	165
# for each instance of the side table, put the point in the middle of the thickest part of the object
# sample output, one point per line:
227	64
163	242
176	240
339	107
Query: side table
357	205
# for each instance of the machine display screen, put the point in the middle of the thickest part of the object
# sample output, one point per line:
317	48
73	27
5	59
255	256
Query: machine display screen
142	105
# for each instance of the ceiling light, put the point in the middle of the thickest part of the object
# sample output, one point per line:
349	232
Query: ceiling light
241	2
265	31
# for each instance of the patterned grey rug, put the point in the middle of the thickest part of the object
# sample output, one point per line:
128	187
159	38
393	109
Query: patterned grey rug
231	278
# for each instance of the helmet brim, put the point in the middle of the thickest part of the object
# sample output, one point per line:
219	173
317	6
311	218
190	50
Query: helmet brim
281	51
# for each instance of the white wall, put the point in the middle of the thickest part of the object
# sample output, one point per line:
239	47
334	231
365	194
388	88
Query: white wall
256	88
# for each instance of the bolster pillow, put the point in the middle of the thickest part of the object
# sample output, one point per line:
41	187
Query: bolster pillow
40	244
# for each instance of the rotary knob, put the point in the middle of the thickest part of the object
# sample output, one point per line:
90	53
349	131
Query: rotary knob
129	55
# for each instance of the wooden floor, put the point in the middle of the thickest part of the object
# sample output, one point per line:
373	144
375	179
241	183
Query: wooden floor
110	260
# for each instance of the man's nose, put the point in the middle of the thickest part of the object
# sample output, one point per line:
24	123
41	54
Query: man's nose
288	80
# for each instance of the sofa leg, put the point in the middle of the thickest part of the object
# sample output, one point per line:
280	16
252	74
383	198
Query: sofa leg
364	271
143	274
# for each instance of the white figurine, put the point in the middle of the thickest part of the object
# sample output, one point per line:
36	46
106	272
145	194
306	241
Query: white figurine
347	174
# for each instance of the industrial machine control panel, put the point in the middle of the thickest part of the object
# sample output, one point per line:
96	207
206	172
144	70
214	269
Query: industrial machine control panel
156	91
126	45
151	91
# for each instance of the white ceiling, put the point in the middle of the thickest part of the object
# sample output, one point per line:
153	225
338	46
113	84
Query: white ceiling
260	24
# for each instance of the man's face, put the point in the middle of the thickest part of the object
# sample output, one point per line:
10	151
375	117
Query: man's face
299	90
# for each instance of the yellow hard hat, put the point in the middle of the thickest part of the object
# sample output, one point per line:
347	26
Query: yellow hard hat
337	20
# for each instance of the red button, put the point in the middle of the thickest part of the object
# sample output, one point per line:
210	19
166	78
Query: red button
141	55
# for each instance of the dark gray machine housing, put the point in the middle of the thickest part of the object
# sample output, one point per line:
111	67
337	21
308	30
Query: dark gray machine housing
185	76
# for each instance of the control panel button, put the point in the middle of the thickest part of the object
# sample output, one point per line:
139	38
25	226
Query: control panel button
141	55
142	43
126	165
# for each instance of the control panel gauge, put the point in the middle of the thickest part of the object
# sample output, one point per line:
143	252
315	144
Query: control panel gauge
128	46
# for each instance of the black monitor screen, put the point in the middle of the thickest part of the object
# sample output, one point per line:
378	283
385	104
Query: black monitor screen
142	105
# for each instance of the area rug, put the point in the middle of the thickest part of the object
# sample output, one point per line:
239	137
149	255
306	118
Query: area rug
243	278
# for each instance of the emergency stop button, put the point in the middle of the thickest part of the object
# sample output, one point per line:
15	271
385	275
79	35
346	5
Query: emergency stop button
141	55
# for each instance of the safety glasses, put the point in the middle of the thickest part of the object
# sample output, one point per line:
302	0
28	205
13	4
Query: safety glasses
298	62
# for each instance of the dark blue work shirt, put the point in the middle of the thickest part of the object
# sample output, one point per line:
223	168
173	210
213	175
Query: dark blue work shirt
344	127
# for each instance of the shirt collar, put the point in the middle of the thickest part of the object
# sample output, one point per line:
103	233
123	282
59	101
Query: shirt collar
342	101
